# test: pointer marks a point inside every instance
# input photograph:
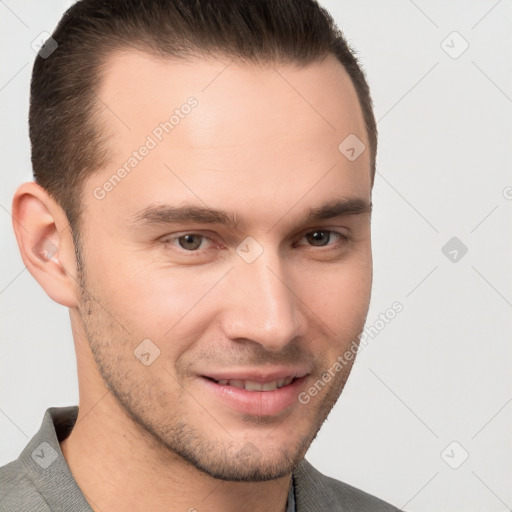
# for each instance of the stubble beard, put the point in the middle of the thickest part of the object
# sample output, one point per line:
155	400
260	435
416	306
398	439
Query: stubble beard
222	459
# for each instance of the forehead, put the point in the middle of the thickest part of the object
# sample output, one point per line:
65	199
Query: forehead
146	87
269	130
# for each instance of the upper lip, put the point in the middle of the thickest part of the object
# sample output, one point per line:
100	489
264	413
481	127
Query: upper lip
256	375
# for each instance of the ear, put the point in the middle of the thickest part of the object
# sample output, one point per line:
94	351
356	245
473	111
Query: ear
46	243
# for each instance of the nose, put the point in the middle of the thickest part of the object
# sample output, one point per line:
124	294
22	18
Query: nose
262	305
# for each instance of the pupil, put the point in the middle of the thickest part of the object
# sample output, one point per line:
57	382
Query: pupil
318	235
189	240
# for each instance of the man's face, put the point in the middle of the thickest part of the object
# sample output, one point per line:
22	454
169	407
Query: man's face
228	312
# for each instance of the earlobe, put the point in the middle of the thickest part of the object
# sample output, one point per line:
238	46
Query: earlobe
45	242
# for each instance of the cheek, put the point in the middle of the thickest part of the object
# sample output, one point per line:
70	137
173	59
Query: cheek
162	304
339	297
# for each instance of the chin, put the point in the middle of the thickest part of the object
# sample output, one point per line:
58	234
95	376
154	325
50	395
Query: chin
243	463
238	471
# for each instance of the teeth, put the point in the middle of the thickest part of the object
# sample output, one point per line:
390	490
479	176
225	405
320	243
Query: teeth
250	385
253	386
268	386
287	381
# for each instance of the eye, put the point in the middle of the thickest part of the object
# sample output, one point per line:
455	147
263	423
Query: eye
322	237
187	242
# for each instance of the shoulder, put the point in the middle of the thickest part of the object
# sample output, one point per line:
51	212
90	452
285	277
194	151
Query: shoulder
40	479
317	492
17	491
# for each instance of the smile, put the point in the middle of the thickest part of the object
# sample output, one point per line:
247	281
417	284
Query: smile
255	392
250	385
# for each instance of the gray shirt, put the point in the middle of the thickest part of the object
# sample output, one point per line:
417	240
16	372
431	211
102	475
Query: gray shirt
40	479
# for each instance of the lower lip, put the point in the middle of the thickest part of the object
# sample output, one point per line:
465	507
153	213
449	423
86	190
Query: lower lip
256	403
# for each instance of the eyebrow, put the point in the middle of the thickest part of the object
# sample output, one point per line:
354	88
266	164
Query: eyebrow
155	214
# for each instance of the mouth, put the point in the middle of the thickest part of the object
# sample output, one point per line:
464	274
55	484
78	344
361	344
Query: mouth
255	394
251	385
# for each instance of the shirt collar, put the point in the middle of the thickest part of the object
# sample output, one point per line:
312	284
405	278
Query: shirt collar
46	466
290	507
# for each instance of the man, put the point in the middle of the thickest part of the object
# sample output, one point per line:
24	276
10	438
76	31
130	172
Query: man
202	206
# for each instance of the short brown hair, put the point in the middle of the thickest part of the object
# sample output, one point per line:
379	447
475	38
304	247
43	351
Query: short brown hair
67	144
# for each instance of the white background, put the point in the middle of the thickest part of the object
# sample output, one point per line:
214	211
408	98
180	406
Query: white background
441	370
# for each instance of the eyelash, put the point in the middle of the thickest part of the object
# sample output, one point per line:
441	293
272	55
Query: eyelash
167	241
